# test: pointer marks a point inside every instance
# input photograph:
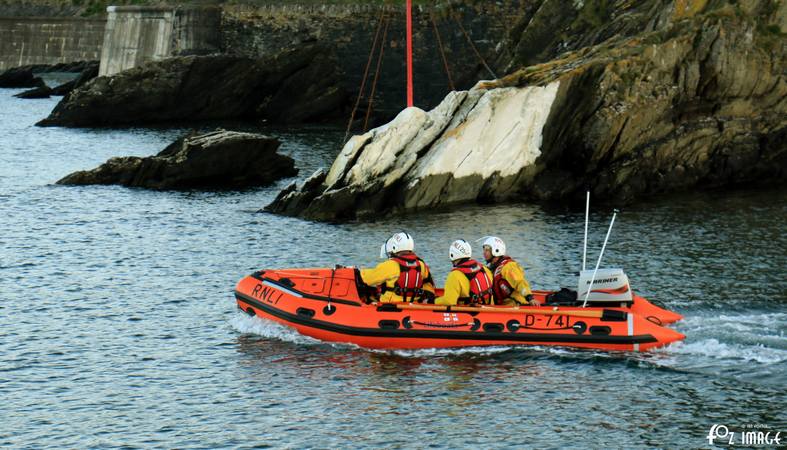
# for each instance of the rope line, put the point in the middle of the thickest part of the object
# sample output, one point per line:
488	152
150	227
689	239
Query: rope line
365	76
472	45
376	75
442	52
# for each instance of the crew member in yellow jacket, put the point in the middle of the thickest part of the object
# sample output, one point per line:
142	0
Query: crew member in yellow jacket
509	283
469	282
404	277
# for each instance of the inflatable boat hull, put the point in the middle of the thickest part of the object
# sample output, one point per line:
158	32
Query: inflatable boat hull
325	304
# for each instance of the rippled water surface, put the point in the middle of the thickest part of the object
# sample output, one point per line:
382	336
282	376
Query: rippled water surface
118	328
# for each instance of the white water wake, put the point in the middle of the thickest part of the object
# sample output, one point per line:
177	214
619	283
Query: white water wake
758	338
243	323
713	348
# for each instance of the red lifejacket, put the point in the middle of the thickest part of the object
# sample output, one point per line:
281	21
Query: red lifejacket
411	282
480	285
500	285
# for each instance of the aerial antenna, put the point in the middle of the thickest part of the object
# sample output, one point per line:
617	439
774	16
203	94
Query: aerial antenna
585	245
598	263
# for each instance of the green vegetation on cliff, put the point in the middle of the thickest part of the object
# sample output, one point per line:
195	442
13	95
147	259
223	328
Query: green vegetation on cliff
96	7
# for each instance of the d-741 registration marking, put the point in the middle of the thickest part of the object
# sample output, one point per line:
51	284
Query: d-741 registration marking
266	294
553	322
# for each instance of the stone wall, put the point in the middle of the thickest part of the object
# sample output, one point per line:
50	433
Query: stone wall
49	40
137	34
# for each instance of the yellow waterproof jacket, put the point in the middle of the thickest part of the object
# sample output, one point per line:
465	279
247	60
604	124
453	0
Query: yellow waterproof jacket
456	286
513	273
387	273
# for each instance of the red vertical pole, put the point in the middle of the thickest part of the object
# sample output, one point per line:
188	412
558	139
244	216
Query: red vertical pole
409	53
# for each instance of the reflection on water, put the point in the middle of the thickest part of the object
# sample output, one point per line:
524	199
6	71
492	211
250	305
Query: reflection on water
118	327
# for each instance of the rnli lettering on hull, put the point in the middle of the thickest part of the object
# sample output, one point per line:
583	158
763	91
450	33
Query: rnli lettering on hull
266	294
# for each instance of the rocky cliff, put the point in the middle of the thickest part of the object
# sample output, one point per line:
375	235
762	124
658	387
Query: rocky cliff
648	97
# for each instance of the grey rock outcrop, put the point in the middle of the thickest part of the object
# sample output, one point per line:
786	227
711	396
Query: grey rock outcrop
88	70
42	91
293	86
19	77
74	67
221	159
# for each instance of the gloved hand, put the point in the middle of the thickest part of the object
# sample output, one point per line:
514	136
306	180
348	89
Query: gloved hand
428	298
530	300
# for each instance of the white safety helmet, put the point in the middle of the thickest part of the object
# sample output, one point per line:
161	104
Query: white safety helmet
495	244
399	242
460	249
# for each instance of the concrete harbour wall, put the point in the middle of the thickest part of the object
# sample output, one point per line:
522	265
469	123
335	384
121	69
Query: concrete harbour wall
138	34
49	40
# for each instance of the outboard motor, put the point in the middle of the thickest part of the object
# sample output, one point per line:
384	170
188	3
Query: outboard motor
609	286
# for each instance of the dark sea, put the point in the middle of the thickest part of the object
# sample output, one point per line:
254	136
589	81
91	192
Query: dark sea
118	328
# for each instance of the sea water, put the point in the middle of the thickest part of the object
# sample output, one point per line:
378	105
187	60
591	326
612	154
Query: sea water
118	327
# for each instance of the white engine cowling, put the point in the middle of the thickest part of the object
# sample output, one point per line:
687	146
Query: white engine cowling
609	286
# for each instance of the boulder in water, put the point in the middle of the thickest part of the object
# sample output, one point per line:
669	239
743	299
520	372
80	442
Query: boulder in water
220	159
24	77
19	77
42	91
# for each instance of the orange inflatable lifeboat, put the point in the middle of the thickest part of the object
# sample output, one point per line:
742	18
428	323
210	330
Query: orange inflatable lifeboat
327	304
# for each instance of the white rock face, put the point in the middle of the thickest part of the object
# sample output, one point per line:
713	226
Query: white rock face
391	150
351	148
436	121
423	156
380	155
501	134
